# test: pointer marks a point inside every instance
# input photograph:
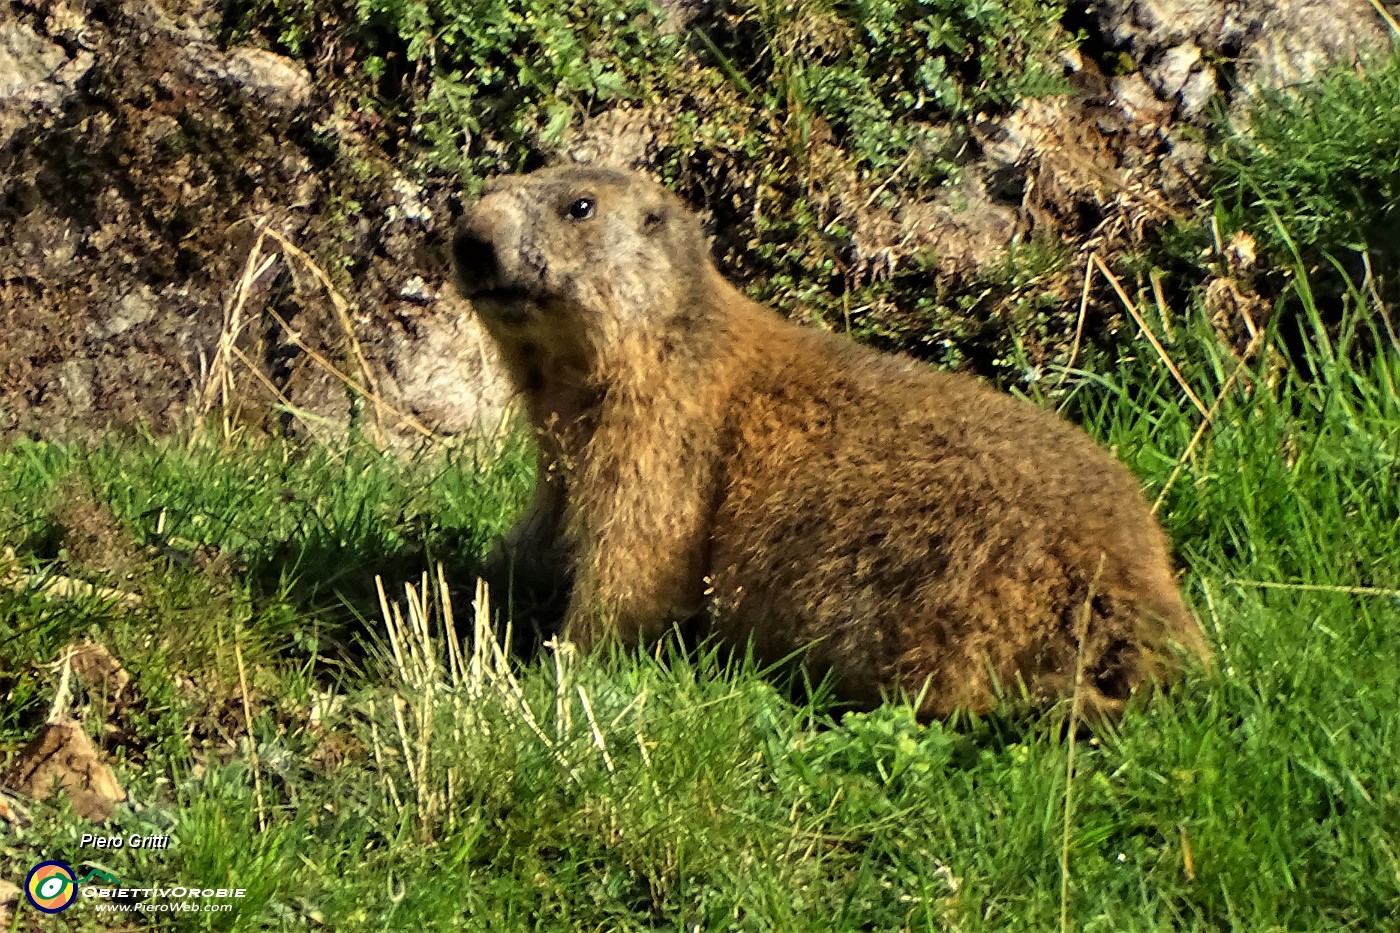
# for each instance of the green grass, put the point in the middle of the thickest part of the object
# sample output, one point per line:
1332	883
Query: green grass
1318	167
1312	175
685	795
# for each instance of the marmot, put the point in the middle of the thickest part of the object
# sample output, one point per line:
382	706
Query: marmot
902	530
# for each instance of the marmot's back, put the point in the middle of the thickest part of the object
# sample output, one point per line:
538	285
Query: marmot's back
916	526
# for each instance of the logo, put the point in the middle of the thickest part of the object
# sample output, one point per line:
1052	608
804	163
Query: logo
51	887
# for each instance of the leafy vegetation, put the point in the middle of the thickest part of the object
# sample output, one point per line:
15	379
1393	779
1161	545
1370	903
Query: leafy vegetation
505	78
790	121
885	76
490	84
1317	168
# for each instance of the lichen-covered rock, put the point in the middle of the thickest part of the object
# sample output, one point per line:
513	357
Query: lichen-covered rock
1188	48
37	76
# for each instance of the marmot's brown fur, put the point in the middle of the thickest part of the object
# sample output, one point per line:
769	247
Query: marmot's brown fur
702	457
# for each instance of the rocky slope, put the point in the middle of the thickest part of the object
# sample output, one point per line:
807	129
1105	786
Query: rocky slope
192	228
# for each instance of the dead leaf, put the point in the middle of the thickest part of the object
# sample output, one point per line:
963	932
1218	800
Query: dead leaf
9	899
98	670
13	814
62	754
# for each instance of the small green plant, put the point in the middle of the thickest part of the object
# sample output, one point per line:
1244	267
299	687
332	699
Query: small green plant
506	79
1314	176
1317	167
887	75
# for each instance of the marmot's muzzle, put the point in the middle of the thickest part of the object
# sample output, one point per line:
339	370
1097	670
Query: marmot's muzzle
474	257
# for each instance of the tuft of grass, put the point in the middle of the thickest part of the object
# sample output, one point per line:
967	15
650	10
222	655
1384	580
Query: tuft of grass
1317	166
1313	175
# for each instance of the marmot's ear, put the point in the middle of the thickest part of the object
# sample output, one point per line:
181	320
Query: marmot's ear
656	217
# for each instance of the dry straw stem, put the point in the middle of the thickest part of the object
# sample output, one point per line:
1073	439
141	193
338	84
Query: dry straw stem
486	669
58	586
341	306
1385	15
563	709
1213	614
1079	324
252	740
1378	306
63	696
304	417
415	658
1225	389
597	733
378	746
219	380
1151	337
1162	310
381	406
1320	588
508	688
434	668
1074	709
417	774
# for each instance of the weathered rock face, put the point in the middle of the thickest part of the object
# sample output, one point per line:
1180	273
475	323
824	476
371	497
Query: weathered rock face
1189	48
166	207
186	228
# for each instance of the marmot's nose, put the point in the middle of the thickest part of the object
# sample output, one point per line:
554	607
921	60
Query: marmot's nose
474	255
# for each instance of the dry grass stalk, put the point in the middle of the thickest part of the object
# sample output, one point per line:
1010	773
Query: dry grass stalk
341	306
58	586
381	406
219	384
1079	324
1321	588
1162	310
1385	15
1074	713
252	740
300	415
435	668
1225	389
1151	337
597	733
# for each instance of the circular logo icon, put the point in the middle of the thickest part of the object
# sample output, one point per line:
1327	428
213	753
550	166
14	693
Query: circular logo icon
51	887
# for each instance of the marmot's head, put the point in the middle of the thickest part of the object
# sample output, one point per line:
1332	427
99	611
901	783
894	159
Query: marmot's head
597	257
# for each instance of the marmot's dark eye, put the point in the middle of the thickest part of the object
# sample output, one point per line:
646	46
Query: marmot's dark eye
582	209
